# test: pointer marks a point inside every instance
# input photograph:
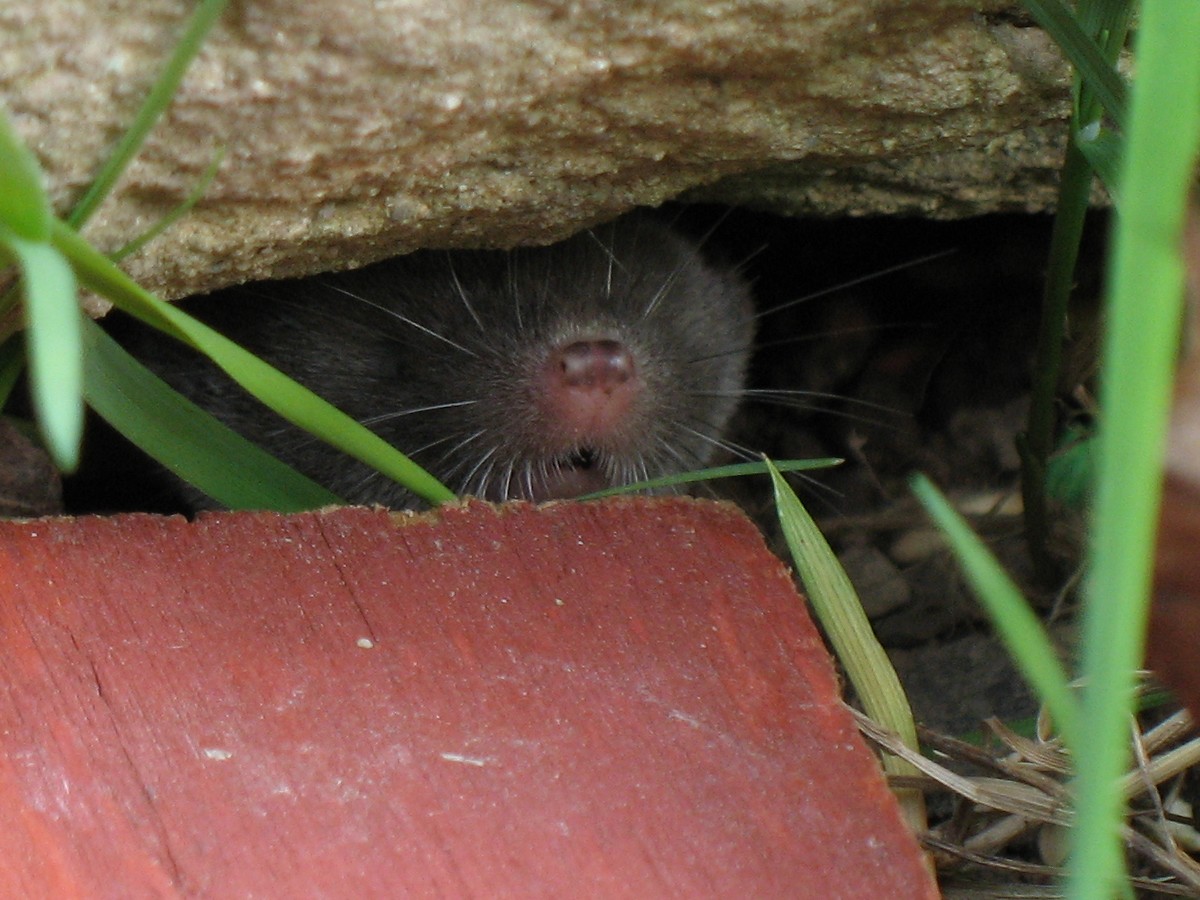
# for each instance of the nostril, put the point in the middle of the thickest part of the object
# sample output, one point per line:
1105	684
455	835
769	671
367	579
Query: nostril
586	392
602	364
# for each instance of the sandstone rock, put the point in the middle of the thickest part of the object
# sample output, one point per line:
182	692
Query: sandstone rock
355	130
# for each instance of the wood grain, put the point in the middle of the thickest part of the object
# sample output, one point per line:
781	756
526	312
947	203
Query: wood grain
617	700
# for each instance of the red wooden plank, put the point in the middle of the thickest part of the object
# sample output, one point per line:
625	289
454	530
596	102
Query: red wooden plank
1174	626
621	699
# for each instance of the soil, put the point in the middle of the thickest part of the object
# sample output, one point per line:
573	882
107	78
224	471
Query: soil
924	369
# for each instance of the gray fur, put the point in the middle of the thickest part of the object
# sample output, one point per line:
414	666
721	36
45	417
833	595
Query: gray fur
435	351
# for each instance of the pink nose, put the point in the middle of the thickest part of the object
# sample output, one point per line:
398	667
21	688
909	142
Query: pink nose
587	388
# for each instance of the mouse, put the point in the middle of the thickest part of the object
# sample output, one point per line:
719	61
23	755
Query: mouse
537	373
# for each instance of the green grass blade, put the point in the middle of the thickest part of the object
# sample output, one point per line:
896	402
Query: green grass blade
1036	443
1103	152
1071	473
159	98
1100	27
841	615
185	438
1145	294
24	206
53	346
737	470
1109	21
294	402
206	178
837	607
1084	54
1017	624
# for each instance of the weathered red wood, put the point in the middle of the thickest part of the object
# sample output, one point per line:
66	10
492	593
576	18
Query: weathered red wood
1174	627
620	700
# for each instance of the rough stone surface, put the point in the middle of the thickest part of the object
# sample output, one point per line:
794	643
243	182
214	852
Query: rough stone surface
355	130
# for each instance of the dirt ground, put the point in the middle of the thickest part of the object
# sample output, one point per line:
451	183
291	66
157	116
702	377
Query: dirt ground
924	369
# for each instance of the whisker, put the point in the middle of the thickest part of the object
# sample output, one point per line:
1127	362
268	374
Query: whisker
506	482
818	487
692	256
639	471
672	452
461	292
510	274
721	354
249	290
301	438
855	282
612	261
743	452
797	405
322	313
485	477
413	454
363	482
541	469
725	444
656	299
840	332
450	461
482	464
740	266
519	479
401	318
389	416
786	396
712	229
